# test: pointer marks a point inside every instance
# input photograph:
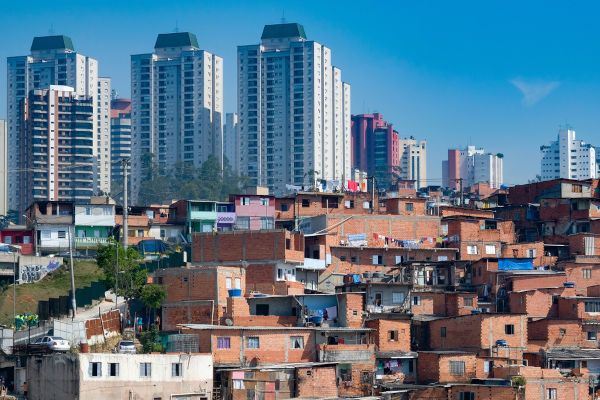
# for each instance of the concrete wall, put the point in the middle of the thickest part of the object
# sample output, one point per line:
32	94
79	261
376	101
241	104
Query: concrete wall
66	376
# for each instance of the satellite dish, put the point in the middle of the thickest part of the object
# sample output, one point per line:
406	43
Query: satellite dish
228	322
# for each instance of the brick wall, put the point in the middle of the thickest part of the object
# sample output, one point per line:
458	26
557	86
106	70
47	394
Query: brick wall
350	311
274	345
109	321
575	274
316	382
534	303
381	335
477	331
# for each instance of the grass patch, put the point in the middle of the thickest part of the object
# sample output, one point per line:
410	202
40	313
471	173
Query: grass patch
54	284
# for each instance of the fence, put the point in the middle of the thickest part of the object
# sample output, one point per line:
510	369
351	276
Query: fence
173	260
57	307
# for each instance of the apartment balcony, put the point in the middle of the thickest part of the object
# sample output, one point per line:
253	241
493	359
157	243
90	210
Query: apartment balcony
313	264
89	242
203	215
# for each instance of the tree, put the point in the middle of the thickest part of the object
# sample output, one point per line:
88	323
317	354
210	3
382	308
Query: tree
152	295
132	277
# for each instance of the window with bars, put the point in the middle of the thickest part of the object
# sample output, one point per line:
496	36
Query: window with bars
176	369
145	369
223	343
457	368
253	342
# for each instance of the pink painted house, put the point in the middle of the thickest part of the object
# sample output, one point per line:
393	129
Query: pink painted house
254	211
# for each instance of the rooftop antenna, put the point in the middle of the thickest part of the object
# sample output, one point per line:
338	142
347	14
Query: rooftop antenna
283	16
51	30
176	30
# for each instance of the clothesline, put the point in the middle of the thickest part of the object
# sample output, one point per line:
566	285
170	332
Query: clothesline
416	243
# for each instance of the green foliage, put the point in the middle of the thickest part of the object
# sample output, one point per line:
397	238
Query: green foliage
150	341
152	295
184	181
519	381
132	277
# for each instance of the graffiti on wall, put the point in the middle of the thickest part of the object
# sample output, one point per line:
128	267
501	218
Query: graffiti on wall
34	272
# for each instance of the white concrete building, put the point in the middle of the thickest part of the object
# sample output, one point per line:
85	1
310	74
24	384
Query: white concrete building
102	376
231	147
413	160
568	158
293	111
102	135
176	104
473	166
3	168
53	61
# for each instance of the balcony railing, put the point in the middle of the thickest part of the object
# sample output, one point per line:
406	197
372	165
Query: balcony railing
90	241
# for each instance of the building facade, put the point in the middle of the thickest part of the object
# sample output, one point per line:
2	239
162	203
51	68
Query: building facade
471	165
56	160
102	137
413	161
375	148
3	168
568	158
231	148
120	143
53	61
176	103
293	110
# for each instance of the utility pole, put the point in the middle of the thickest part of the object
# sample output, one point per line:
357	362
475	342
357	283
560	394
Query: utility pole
125	162
460	182
372	193
117	278
73	300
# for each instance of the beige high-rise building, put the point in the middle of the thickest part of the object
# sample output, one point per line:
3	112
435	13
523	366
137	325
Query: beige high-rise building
413	161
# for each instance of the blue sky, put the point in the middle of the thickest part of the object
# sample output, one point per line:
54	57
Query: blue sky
501	75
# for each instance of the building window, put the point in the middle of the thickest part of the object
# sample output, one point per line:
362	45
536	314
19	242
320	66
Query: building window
345	372
576	189
392	336
266	222
253	342
244	201
88	211
264	201
223	343
242	223
466	396
416	300
409	207
443	331
509	329
531	253
562	331
587	273
176	369
62	234
591	335
398	297
228	283
238	283
113	369
591	306
471	249
349	204
305	203
95	369
296	342
457	368
551	392
468	302
284	207
145	369
490	249
377	260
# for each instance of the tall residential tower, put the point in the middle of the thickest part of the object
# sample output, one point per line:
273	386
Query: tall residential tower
176	104
53	61
293	111
568	158
472	165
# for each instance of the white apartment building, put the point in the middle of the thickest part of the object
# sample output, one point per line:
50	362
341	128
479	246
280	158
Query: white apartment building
53	61
473	166
3	168
293	111
231	148
176	104
102	136
568	158
413	161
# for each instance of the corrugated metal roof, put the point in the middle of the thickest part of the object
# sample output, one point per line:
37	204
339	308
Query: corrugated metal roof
274	328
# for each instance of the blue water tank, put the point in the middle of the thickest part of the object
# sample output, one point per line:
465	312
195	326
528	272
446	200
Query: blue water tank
501	343
235	292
